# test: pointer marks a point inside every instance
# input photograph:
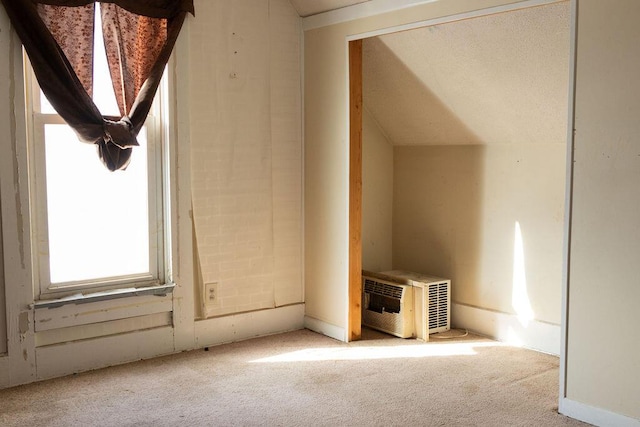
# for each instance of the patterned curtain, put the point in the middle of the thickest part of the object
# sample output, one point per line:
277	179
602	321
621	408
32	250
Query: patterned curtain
139	36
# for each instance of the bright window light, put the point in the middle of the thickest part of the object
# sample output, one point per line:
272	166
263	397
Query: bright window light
520	296
98	220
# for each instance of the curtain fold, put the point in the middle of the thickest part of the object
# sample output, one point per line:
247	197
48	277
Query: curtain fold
133	43
73	29
139	37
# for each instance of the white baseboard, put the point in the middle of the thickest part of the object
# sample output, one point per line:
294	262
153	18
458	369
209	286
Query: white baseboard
595	416
72	357
239	327
325	328
507	328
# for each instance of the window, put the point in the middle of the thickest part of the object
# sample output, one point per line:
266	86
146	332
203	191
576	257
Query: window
94	229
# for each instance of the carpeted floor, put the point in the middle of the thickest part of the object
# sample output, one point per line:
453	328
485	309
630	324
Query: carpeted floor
305	379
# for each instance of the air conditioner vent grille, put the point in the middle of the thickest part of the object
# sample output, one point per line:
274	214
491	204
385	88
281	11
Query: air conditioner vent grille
438	307
374	287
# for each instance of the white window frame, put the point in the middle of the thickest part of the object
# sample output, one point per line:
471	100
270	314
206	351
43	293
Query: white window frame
158	199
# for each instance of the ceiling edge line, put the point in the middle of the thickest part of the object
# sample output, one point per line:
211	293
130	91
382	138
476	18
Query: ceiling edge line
357	11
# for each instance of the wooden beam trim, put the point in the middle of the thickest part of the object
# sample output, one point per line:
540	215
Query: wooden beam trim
355	190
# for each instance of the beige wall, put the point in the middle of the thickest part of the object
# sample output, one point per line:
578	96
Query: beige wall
486	80
326	151
455	215
246	157
377	197
603	362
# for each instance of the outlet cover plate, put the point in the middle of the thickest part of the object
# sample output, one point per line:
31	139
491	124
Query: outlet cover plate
210	297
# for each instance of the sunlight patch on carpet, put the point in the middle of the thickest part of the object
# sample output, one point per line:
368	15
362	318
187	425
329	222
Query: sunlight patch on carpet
379	352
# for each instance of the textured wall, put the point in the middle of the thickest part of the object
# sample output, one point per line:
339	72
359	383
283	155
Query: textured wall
377	197
603	365
492	80
455	214
246	152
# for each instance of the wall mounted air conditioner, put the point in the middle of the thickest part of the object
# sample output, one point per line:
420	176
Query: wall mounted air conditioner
388	307
406	304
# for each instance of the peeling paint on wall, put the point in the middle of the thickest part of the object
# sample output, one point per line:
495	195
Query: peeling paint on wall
23	322
246	175
13	132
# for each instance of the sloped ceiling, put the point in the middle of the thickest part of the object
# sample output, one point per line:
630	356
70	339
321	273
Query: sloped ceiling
496	79
312	7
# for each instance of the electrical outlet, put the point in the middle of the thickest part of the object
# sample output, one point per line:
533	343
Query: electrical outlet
210	294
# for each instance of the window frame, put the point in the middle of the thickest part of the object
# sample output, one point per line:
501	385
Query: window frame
158	187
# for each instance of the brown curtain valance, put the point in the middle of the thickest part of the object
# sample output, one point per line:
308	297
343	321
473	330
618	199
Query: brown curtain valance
150	8
139	37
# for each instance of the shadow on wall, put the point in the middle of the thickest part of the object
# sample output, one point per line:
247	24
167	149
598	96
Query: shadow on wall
387	85
455	210
437	213
434	204
408	111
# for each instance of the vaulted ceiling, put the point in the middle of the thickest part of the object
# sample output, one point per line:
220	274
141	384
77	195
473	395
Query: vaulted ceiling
312	7
500	78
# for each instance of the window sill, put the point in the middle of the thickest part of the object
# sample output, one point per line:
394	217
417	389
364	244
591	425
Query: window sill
159	290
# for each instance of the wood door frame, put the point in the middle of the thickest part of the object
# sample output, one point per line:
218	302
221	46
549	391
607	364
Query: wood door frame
355	190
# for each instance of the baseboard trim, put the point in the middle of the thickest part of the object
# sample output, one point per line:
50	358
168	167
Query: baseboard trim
595	416
325	328
507	328
239	327
78	356
73	357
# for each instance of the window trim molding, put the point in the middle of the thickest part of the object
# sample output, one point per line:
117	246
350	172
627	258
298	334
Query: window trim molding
159	199
159	290
179	214
19	364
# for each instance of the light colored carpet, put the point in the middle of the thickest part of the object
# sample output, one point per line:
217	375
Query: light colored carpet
305	379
